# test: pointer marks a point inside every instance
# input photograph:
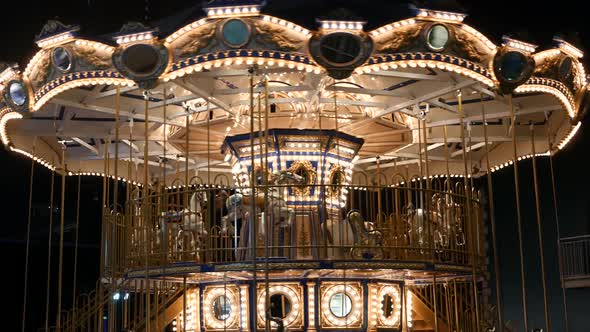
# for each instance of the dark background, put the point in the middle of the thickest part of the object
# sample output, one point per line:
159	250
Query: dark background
532	21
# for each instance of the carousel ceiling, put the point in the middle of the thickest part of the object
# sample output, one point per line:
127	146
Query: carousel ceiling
237	70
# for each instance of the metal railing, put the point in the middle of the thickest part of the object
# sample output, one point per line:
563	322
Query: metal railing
202	225
575	257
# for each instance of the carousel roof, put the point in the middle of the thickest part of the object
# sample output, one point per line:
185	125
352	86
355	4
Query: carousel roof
202	83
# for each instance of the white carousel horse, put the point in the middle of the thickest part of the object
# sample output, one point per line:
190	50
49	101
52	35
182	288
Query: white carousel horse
186	229
367	239
240	208
192	235
444	215
239	205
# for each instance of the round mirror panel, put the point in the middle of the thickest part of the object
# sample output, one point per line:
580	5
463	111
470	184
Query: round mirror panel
340	48
17	93
512	66
61	59
438	37
222	307
340	304
280	306
140	59
235	33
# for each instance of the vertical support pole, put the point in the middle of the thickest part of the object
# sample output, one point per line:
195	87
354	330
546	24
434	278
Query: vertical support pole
499	303
518	214
540	229
49	253
554	190
253	219
184	301
474	260
146	211
61	235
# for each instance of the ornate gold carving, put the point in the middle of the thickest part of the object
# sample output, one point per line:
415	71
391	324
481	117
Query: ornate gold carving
41	70
399	39
268	34
198	40
304	169
89	54
466	46
304	243
545	68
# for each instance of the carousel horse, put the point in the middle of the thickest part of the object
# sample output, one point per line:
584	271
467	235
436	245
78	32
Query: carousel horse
367	239
186	229
238	204
240	208
443	217
416	223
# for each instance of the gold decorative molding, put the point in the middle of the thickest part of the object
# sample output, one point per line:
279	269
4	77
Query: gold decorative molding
268	34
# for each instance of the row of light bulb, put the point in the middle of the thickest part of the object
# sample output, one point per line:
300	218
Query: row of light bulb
41	101
54	40
426	64
134	38
565	101
239	61
442	15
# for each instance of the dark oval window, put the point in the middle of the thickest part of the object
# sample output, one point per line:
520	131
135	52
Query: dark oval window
140	59
235	33
512	66
565	68
17	93
280	306
61	59
387	306
437	37
340	48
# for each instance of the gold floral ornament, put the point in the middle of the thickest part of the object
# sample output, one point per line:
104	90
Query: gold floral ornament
198	40
399	40
90	55
465	45
304	169
267	34
40	71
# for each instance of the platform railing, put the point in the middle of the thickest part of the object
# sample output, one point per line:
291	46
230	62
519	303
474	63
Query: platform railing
575	257
393	223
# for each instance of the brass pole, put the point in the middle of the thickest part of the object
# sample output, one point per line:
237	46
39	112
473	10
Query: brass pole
540	229
103	233
146	208
468	208
554	190
32	173
74	283
253	222
518	214
49	252
184	300
267	326
456	307
113	221
430	237
61	235
499	303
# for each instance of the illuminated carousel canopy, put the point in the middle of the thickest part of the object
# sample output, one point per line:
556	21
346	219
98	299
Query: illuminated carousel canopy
339	159
382	84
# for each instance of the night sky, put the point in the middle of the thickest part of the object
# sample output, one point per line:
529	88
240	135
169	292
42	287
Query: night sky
532	21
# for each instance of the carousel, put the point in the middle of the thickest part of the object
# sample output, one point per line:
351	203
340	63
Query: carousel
258	175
